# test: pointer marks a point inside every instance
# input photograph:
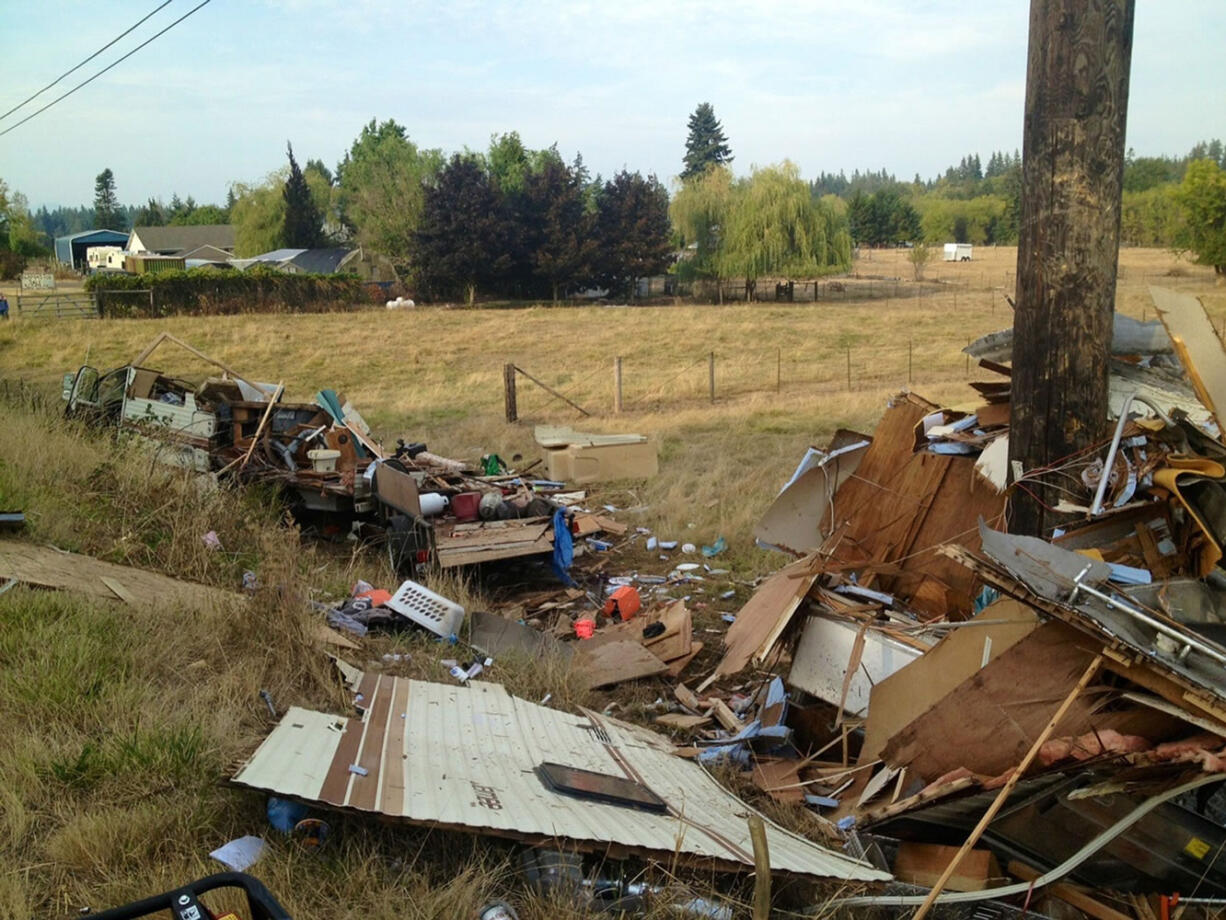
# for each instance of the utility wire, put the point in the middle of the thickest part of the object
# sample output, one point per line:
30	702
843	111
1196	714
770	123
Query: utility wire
82	64
105	69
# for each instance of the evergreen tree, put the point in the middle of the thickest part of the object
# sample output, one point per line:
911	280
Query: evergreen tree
461	240
632	228
303	226
107	213
706	145
151	215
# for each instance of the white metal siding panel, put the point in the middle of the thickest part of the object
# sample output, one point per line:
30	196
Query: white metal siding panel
465	756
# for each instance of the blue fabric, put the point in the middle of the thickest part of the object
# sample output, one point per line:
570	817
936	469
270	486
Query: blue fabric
563	548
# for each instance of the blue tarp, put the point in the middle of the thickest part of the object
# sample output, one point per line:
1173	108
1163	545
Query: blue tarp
563	548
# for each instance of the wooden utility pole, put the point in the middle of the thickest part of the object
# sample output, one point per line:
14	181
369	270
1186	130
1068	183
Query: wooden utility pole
1068	246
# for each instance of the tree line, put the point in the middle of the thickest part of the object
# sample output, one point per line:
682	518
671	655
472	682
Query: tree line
517	222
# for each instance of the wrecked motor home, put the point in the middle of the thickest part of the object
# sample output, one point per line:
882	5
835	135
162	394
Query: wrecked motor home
1076	683
321	454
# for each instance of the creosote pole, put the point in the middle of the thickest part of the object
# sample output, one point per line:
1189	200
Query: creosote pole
1068	246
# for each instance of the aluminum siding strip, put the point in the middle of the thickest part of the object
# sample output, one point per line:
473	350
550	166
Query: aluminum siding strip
466	756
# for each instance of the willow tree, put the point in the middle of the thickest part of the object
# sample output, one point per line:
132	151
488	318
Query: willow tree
774	227
699	211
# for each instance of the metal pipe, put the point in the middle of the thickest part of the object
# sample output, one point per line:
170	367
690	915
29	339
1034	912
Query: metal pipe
1059	872
1140	615
1097	507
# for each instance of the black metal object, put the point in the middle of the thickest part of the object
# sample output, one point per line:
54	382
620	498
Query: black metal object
184	903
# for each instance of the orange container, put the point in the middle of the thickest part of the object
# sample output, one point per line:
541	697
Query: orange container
624	602
585	629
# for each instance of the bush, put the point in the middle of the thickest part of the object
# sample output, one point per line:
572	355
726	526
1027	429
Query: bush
212	292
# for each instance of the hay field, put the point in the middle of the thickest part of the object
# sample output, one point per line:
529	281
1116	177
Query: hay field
782	370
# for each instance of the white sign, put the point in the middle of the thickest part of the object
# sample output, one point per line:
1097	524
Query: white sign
37	281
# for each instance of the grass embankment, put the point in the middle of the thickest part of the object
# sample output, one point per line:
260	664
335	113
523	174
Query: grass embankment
120	721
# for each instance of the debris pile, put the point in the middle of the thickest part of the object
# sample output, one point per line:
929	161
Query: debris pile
966	714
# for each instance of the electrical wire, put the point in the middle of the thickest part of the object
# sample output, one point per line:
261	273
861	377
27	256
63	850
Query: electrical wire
105	69
84	62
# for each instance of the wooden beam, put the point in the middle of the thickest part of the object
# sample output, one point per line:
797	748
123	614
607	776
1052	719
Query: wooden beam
1068	242
761	869
272	402
1069	894
547	388
1008	787
140	359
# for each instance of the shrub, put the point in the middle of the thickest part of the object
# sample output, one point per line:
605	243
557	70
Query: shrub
212	292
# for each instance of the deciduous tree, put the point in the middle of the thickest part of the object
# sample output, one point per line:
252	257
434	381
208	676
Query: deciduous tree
1203	196
564	245
380	189
699	211
775	228
633	229
460	243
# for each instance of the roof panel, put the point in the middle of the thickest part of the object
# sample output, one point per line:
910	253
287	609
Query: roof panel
466	756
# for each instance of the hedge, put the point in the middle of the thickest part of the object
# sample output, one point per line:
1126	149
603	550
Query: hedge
214	292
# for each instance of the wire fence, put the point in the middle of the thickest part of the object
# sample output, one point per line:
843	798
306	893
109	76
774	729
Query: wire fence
627	383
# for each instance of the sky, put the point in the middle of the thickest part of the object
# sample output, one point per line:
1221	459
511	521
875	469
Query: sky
906	85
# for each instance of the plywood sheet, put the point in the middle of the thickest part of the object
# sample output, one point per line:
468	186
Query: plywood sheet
989	721
905	695
397	489
50	568
616	662
765	614
1197	344
901	505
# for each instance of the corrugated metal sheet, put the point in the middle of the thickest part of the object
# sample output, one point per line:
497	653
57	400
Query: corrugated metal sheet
466	756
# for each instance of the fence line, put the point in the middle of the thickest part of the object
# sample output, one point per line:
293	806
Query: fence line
712	377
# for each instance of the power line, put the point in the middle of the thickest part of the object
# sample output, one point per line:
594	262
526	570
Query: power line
104	69
83	63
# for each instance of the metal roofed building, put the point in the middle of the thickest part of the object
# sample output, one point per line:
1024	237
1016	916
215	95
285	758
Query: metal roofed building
470	757
72	250
324	261
176	241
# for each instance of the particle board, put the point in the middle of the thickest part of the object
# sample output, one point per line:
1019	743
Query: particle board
906	694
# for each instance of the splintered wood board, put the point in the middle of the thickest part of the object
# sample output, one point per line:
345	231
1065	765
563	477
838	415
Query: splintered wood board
616	662
1197	344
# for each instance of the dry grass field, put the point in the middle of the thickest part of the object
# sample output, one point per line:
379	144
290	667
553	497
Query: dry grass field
786	375
119	721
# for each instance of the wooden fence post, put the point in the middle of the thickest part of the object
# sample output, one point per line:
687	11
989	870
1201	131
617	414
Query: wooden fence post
508	387
617	384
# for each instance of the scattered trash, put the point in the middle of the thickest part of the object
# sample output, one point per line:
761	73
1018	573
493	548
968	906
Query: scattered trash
240	854
211	540
689	548
715	548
